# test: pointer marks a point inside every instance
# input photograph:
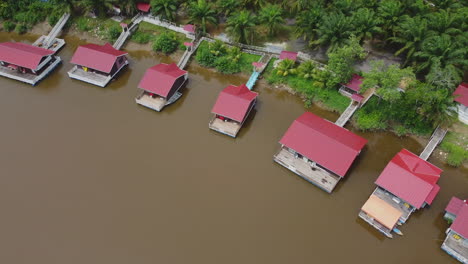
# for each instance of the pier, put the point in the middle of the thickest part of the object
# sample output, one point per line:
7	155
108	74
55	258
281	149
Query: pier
435	140
51	41
127	31
258	70
357	101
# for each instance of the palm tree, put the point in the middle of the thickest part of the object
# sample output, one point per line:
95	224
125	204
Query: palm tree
412	32
297	6
271	17
306	23
445	51
165	8
307	69
128	7
334	30
445	22
366	23
202	13
447	4
240	26
391	12
447	78
217	48
286	67
234	54
255	4
227	7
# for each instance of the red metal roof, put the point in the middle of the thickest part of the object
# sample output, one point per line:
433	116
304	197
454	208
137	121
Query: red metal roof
460	224
290	55
455	205
331	146
145	7
160	78
355	83
357	97
23	55
233	102
189	28
410	178
97	57
461	94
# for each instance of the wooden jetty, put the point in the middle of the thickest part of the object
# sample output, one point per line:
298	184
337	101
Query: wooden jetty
435	140
231	109
51	41
26	63
96	64
127	31
357	101
456	241
160	86
318	150
408	183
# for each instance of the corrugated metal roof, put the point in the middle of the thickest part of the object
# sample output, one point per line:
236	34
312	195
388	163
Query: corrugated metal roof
145	7
381	211
290	55
160	78
355	83
454	205
101	58
460	225
23	55
320	140
461	94
233	102
410	178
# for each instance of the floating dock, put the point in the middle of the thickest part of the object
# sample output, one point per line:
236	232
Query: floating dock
31	78
435	140
51	41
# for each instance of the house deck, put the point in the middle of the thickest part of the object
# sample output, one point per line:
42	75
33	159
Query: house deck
29	77
375	224
56	45
395	202
314	174
455	248
156	103
230	128
89	77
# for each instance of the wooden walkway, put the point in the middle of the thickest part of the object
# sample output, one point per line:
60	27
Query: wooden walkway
254	77
188	54
436	138
455	247
51	41
353	106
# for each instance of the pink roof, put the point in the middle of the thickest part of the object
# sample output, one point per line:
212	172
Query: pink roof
455	205
188	44
290	55
410	178
189	28
101	58
234	101
357	97
257	64
160	78
22	54
331	146
461	94
460	224
145	7
355	83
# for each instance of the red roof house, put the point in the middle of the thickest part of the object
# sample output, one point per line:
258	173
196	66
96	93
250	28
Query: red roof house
189	28
290	55
234	102
144	7
455	205
97	57
329	145
161	79
355	83
461	94
23	55
410	178
460	224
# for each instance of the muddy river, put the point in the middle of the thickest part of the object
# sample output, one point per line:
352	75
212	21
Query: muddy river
88	176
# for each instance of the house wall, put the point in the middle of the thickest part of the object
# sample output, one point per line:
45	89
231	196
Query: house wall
463	113
176	86
119	63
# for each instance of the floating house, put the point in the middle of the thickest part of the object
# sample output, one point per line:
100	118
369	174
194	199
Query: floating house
318	150
232	108
160	86
97	64
456	242
290	55
461	97
143	7
26	63
352	87
407	183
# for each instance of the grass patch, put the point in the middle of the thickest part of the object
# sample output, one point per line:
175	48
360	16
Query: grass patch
102	28
456	145
246	60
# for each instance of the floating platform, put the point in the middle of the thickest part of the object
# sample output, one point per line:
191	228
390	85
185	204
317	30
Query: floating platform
31	78
57	44
371	221
455	247
92	77
227	127
395	202
314	174
156	102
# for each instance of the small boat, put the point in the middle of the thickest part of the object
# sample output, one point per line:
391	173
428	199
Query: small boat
396	230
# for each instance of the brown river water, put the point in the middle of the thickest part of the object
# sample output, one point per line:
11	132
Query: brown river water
88	176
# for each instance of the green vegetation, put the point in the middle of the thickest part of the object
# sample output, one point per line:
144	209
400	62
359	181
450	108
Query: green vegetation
8	26
21	28
456	145
166	43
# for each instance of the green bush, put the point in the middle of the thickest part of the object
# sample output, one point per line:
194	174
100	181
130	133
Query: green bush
204	57
21	28
456	154
227	65
141	37
9	26
53	18
166	42
83	24
370	121
114	32
401	130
